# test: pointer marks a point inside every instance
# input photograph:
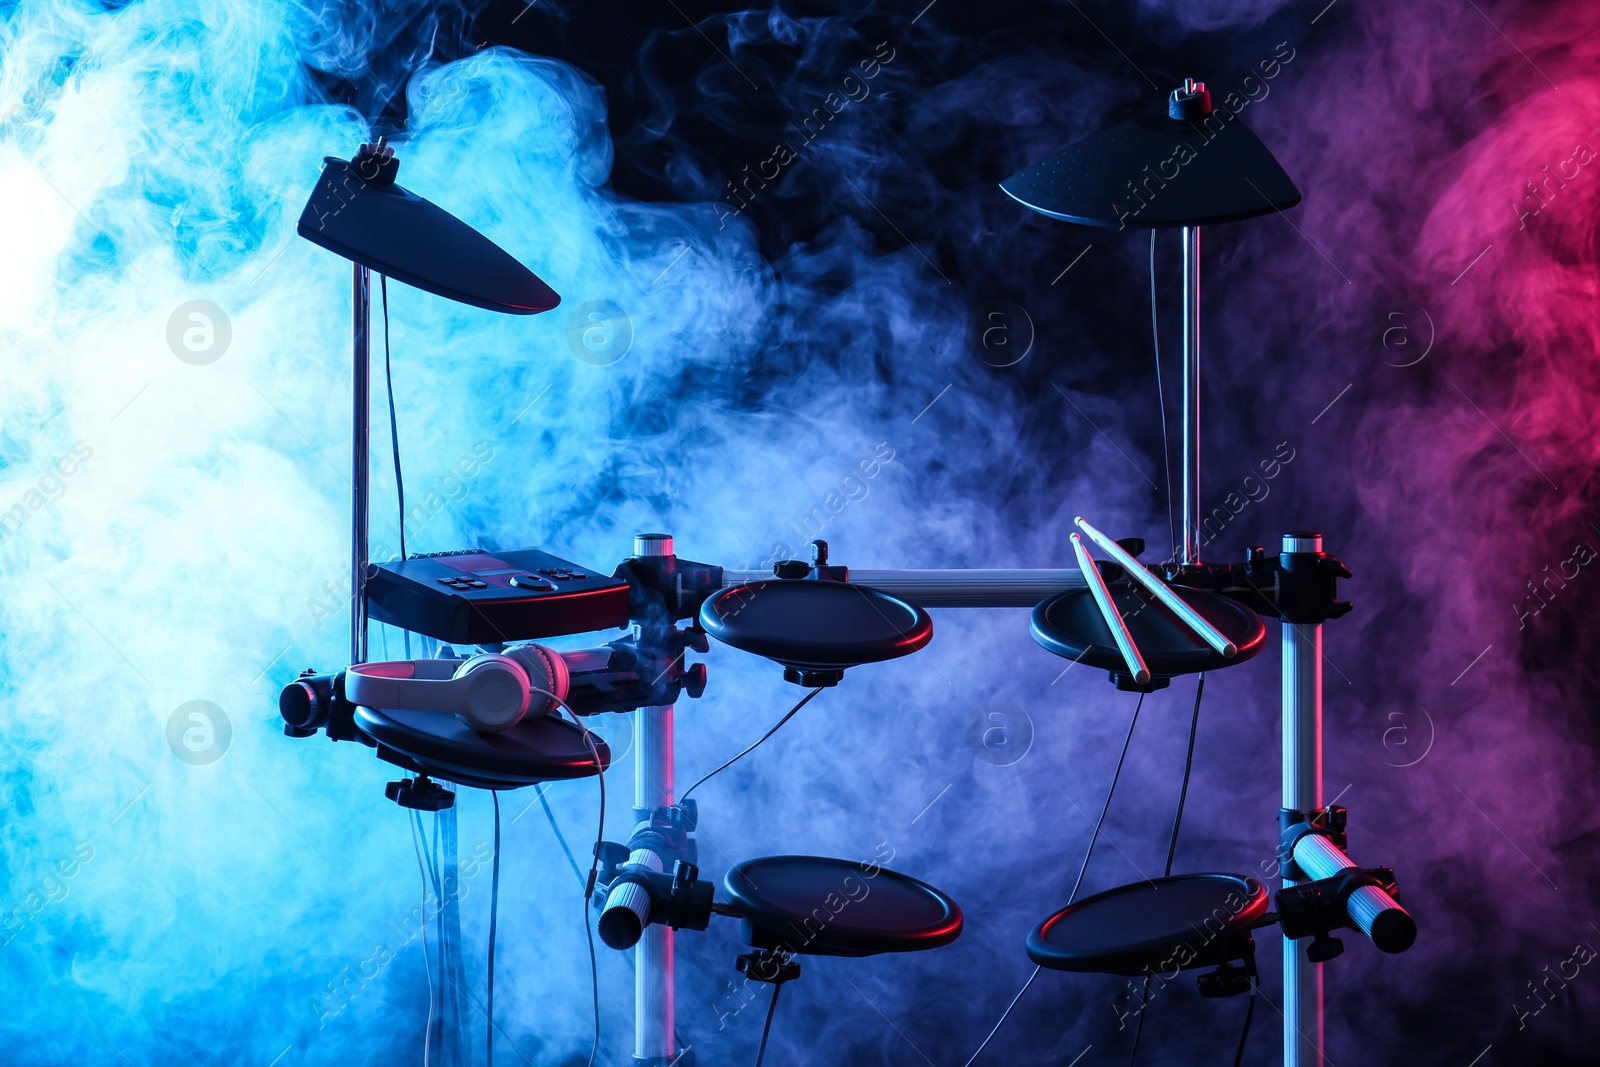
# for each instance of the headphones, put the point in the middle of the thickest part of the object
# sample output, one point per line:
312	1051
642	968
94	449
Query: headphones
491	693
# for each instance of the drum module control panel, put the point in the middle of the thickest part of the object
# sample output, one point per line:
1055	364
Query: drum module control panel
477	597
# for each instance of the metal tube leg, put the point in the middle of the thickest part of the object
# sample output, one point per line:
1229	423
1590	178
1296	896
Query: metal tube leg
450	1046
360	482
653	1040
1302	791
1191	395
654	1033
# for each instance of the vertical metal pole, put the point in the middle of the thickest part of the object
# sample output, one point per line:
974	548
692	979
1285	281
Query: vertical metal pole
654	1038
654	1031
360	481
1191	395
450	1038
1302	791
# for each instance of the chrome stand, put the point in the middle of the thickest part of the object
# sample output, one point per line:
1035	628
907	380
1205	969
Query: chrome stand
655	1040
654	1035
360	459
1190	551
1302	791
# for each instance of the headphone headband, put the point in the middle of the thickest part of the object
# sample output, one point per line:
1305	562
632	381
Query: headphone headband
491	692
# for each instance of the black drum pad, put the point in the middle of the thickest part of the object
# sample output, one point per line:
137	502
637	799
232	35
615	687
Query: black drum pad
1187	920
816	629
818	906
542	749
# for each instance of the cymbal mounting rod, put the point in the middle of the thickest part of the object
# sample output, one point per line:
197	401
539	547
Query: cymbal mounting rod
1190	552
360	455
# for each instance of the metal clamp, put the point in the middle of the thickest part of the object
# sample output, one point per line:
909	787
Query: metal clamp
1293	825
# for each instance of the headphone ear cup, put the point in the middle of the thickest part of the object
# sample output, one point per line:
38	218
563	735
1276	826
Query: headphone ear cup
548	677
496	696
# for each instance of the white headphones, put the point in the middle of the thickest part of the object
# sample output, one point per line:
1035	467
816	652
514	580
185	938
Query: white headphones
491	692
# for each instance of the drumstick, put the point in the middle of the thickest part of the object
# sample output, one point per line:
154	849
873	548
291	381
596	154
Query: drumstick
1162	592
1102	597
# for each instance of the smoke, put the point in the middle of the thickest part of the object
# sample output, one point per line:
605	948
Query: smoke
811	286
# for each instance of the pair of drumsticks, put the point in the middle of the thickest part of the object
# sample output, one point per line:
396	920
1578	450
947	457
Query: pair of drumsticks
1119	629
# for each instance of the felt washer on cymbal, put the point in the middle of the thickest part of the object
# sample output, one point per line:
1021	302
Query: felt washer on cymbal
818	906
816	629
541	749
1173	923
1070	625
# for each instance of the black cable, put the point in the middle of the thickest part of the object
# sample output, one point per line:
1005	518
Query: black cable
1161	395
394	432
561	838
1003	1017
428	849
701	780
1094	837
1172	842
589	882
1188	764
394	442
594	974
1138	1031
417	837
494	914
772	1009
1244	1035
594	865
439	936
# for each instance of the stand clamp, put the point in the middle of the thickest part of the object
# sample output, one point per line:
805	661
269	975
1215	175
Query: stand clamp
420	794
664	833
819	568
1307	582
315	702
1346	896
375	163
668	832
643	672
1314	909
661	586
1293	825
1229	980
1297	587
771	965
639	894
636	889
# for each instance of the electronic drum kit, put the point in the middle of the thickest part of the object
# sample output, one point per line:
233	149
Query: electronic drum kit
511	713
